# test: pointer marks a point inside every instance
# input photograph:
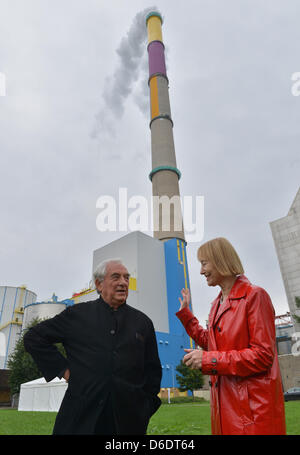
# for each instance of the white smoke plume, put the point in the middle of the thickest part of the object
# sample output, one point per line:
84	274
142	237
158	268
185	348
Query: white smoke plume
132	63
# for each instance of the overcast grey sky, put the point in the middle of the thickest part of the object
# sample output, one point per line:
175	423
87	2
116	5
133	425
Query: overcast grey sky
236	130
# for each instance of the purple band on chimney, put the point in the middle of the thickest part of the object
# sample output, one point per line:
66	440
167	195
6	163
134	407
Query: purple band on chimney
157	63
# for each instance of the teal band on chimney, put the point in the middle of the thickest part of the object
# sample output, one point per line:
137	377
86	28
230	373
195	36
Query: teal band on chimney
154	13
164	168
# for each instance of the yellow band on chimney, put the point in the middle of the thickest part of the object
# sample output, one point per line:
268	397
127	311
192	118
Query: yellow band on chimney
154	97
154	29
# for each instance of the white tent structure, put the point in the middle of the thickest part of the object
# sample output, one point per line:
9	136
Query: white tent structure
39	395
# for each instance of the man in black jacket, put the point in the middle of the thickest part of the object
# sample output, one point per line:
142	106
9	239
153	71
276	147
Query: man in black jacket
112	366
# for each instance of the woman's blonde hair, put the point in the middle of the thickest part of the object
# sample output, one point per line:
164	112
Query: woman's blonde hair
222	255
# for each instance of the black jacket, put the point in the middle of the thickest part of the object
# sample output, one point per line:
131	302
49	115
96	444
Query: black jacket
110	354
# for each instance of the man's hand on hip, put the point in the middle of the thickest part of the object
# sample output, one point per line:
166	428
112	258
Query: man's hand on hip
66	375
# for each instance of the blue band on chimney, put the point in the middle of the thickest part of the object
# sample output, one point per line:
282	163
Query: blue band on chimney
164	168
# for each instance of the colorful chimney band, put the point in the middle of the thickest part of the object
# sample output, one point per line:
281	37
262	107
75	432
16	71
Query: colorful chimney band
158	81
160	103
157	65
154	22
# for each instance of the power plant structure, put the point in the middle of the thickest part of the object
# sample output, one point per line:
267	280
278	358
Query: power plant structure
44	310
12	303
286	236
284	331
157	265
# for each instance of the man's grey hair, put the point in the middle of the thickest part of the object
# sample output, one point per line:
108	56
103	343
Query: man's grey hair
101	269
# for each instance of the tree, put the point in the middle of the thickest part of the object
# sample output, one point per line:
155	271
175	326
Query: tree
188	379
21	365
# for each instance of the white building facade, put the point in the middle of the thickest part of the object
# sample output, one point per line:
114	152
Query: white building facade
286	235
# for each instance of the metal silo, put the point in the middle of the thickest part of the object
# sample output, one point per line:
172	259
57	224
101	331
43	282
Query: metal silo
85	295
12	303
44	310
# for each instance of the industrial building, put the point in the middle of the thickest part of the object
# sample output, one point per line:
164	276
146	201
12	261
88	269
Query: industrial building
13	300
284	331
286	235
44	310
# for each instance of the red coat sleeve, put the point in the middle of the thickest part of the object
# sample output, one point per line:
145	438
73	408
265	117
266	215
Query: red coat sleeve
193	328
256	358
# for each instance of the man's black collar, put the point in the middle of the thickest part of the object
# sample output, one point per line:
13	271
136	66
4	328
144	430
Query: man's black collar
108	307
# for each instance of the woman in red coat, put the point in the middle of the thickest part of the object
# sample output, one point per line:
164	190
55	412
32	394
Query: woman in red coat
239	347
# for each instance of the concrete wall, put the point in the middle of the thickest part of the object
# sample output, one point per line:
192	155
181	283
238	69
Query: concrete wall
290	370
286	235
202	394
284	334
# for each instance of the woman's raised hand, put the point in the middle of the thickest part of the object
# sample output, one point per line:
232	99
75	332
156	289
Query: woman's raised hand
186	297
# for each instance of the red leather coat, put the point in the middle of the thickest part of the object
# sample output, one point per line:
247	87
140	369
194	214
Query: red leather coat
241	357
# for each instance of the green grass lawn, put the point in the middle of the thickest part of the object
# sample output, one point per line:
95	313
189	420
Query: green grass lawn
184	418
179	419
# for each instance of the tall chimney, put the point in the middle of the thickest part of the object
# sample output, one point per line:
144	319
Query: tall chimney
164	174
